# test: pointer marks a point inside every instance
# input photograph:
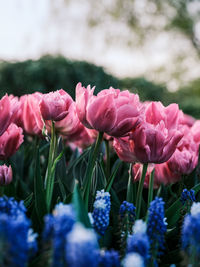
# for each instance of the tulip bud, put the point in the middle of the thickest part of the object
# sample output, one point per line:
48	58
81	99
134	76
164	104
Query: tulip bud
5	175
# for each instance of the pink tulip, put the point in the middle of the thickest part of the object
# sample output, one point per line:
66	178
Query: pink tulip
185	157
195	130
163	175
186	119
30	116
69	124
5	113
81	138
5	175
54	105
10	141
156	138
111	111
125	149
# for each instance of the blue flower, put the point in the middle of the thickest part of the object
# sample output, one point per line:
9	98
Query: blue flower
101	211
14	236
139	243
81	247
156	227
191	231
57	226
109	258
133	260
11	207
187	195
129	209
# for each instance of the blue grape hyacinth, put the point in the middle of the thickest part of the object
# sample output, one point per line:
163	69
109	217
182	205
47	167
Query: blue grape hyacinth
17	239
57	226
129	209
101	212
109	258
139	242
11	207
81	247
191	232
188	195
156	226
133	260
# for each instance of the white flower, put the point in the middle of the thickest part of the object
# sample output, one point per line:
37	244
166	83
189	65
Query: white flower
139	227
100	204
195	209
133	260
80	234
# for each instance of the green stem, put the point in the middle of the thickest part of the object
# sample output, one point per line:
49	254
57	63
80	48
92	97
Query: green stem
151	183
139	192
50	175
1	191
129	195
89	172
107	159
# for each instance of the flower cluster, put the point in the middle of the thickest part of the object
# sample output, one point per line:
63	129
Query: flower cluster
156	227
187	195
101	211
16	236
57	226
127	208
191	232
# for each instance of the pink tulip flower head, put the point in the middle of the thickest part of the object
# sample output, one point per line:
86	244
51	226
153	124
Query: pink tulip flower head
54	105
69	124
186	119
185	157
163	175
125	149
5	175
10	141
111	111
30	114
5	113
156	138
196	131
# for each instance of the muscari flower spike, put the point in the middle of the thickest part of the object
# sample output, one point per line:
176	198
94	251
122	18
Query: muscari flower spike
101	211
156	226
81	247
109	258
129	209
16	237
57	226
188	195
138	242
11	207
191	231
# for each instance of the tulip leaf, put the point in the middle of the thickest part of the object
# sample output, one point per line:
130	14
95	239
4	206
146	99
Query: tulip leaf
39	192
81	213
112	177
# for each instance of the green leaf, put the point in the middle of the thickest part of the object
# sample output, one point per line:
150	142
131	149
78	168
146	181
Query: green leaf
39	192
28	200
112	177
81	213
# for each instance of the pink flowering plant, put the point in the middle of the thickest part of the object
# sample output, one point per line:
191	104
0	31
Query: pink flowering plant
102	180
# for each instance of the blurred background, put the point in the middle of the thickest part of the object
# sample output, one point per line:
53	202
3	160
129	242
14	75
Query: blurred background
151	47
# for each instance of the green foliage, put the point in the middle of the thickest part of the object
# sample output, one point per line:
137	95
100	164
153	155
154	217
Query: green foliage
49	74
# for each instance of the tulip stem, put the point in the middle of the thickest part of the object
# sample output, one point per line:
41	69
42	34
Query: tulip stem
129	195
139	192
151	183
50	174
107	159
1	191
89	171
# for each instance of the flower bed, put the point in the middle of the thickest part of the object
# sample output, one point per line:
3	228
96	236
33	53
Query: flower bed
106	180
